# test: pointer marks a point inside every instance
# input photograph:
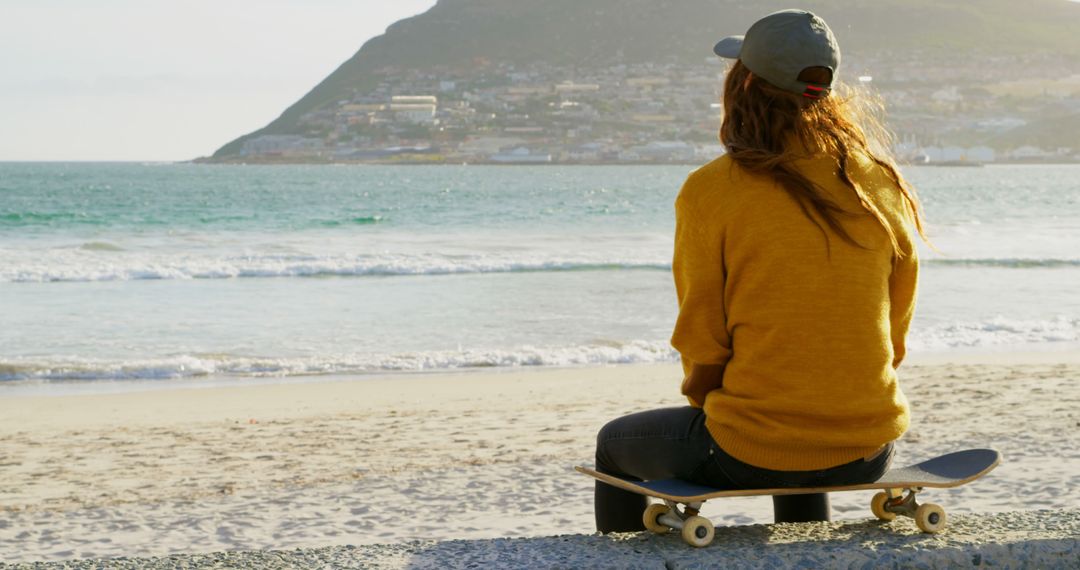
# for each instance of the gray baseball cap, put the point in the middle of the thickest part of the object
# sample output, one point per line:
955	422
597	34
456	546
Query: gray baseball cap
781	45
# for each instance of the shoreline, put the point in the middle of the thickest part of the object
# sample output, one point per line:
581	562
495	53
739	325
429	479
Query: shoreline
1068	353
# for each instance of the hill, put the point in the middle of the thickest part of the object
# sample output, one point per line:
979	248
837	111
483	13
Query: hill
581	33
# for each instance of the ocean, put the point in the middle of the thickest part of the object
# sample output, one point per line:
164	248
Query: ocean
113	275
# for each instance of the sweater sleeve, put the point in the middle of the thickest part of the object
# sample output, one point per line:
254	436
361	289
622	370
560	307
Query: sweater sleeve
903	284
701	334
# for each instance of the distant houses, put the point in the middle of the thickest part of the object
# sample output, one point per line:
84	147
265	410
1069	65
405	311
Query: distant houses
640	113
516	146
914	154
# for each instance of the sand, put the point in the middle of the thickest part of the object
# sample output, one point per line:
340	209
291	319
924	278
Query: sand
1029	539
480	455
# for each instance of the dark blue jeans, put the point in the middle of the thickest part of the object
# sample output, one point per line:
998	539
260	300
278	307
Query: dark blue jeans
674	443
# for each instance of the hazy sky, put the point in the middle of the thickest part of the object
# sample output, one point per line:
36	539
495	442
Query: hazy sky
166	79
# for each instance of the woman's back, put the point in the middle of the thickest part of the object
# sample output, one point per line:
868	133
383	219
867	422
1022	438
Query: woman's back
811	328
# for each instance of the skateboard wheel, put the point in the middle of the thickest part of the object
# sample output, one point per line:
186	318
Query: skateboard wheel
877	506
698	531
651	516
930	518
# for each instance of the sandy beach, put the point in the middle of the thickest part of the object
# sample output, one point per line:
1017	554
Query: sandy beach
352	461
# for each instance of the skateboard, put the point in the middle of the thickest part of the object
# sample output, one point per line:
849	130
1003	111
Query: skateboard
682	500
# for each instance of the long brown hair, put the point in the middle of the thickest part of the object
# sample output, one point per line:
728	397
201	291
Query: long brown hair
761	119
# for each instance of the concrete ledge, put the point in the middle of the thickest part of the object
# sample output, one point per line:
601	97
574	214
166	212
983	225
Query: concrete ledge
1036	539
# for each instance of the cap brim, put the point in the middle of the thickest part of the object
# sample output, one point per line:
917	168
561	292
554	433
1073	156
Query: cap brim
729	47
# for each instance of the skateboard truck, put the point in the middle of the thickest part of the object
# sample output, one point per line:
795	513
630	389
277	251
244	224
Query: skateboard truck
929	517
662	517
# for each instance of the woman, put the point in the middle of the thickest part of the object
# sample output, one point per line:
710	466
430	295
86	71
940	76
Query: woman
795	270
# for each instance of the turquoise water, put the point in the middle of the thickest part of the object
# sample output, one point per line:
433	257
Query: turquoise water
131	271
145	198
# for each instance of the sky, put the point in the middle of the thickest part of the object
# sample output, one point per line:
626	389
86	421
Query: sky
166	80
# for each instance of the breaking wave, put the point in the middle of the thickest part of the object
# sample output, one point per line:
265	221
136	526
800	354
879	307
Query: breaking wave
1005	263
145	267
197	365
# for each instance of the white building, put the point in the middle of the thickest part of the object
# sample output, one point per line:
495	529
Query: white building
416	109
414	100
521	155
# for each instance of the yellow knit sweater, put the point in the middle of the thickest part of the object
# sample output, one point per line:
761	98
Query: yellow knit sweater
809	341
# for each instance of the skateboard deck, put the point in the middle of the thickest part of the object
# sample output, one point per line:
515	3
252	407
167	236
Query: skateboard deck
899	486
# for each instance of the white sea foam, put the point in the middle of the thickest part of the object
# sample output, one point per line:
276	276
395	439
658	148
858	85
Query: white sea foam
1005	263
997	331
99	261
83	266
193	366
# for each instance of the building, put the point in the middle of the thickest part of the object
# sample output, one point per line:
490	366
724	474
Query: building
414	100
520	155
353	108
415	109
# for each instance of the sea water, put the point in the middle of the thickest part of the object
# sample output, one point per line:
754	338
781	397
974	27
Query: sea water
185	272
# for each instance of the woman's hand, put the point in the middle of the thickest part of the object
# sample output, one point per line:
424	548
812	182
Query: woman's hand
703	378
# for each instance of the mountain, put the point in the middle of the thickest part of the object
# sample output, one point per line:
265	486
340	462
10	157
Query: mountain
582	33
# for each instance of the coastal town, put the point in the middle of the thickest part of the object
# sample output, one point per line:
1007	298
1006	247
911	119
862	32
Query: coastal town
668	113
